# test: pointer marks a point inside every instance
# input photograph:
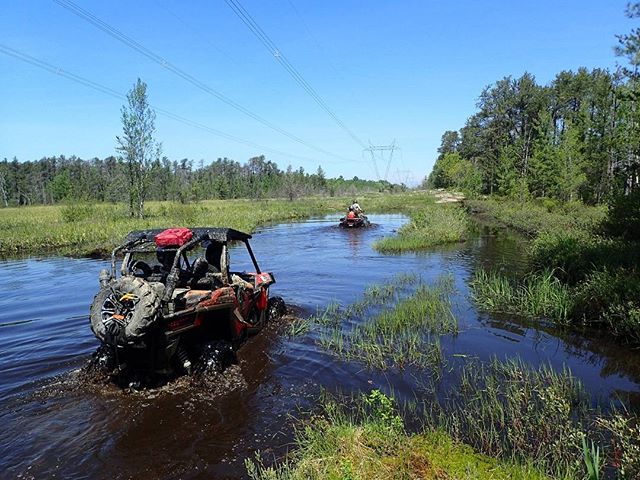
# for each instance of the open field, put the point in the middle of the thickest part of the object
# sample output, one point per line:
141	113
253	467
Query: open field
94	229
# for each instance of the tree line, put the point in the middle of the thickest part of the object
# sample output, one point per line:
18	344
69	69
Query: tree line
52	180
576	138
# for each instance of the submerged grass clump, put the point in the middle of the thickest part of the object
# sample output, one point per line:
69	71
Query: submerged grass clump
366	438
433	224
539	295
408	333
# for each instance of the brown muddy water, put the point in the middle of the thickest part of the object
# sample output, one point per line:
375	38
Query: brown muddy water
55	424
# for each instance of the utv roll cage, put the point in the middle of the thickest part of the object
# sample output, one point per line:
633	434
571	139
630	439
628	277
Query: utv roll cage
143	241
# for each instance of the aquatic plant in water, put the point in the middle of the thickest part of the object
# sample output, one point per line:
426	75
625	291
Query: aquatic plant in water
406	333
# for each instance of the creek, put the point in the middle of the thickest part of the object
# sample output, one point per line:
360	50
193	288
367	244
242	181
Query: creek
55	425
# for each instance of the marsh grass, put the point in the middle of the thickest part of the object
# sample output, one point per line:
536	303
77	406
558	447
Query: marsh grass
592	254
430	225
508	410
80	228
534	217
365	438
405	333
540	294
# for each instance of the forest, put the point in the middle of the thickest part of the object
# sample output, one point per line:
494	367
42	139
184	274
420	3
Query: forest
57	179
576	138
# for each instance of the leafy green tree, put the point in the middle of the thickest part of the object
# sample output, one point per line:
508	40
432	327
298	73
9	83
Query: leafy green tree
137	146
61	187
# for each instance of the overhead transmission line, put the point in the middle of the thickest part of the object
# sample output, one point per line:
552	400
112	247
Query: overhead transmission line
114	93
131	43
272	48
377	152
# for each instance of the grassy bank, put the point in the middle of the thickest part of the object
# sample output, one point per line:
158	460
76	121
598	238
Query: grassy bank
502	420
432	224
367	440
534	217
84	229
495	419
582	271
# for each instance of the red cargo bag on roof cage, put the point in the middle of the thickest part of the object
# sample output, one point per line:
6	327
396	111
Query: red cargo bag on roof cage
173	237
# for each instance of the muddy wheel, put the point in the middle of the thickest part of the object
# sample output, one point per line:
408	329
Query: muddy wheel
214	358
276	308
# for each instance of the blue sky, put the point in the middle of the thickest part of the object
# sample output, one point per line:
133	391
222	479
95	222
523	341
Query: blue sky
403	70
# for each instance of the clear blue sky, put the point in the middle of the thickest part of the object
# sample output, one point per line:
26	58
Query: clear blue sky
404	70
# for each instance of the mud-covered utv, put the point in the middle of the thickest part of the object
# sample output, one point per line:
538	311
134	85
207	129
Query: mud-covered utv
176	301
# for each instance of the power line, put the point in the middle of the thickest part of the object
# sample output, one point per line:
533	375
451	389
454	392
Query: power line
131	43
114	93
272	48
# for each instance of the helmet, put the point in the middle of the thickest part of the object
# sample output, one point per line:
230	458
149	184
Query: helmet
166	257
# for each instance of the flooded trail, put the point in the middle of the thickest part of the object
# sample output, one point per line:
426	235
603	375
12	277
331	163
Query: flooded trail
56	424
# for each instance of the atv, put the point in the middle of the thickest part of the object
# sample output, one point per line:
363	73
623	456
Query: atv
354	222
176	306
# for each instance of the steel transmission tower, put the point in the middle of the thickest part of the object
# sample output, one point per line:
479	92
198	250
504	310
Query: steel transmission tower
382	156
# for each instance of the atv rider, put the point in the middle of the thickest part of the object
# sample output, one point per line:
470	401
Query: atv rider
355	207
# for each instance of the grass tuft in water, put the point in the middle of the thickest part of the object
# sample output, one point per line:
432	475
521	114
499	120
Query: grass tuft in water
539	295
406	334
432	224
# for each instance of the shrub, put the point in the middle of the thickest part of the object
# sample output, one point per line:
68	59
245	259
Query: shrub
77	211
624	216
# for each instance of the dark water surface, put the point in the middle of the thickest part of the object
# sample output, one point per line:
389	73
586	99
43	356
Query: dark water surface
54	424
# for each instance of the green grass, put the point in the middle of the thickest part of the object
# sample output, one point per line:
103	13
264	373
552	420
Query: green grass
538	295
595	279
521	414
406	333
510	411
366	439
84	229
533	217
432	224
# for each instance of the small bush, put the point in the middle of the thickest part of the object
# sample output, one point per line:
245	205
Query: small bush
77	211
624	216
